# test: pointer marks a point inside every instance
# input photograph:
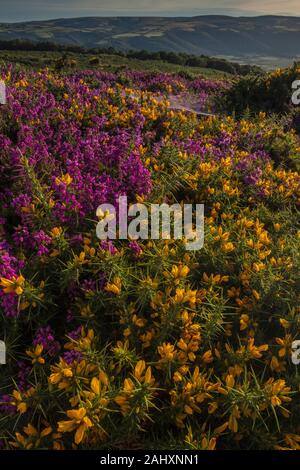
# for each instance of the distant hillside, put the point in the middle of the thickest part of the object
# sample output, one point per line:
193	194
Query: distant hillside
244	37
93	56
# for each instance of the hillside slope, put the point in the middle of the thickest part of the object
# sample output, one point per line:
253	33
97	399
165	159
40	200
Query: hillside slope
264	36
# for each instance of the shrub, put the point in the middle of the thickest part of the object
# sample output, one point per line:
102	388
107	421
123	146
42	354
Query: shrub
141	344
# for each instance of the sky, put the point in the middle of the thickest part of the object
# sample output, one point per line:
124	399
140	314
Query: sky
23	10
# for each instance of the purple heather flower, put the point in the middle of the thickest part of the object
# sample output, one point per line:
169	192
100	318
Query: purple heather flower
6	406
136	249
75	334
253	178
45	337
23	375
72	356
108	245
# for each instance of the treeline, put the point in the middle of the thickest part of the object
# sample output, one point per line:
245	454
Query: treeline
195	61
41	46
170	57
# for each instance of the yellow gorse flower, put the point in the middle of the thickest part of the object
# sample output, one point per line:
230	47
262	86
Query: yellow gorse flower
20	399
14	285
78	421
115	286
36	354
56	232
32	438
65	179
142	376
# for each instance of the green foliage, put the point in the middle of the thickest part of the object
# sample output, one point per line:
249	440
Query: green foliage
180	59
268	92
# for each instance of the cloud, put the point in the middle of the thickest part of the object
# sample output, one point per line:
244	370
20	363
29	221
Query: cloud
16	10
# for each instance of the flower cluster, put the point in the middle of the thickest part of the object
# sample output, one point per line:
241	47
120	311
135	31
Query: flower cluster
141	343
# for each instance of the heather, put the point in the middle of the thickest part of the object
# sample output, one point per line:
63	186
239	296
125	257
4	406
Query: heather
143	344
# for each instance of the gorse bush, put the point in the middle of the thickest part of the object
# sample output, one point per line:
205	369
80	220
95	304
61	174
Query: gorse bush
270	92
142	344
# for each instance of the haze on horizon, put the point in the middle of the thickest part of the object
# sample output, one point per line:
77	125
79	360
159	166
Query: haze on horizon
20	10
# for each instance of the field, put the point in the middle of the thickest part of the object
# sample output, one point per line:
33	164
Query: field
109	63
141	344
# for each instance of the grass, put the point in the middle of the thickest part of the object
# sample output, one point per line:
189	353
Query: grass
37	59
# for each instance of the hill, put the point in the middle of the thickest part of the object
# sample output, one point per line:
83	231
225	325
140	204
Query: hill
103	61
260	39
